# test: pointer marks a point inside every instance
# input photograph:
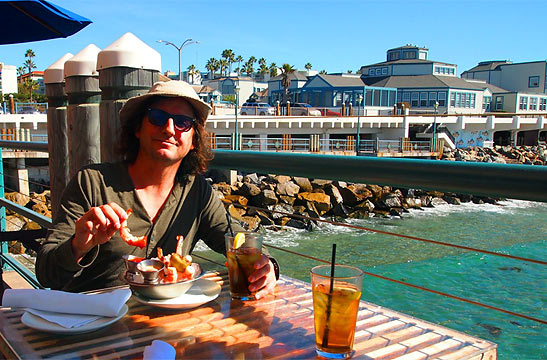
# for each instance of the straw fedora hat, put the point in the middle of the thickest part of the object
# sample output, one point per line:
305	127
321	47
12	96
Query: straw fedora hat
174	89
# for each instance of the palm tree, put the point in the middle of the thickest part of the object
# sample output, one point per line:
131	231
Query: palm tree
239	59
286	70
262	61
263	70
273	69
350	71
323	72
250	65
228	54
223	63
212	65
308	67
30	65
191	72
20	70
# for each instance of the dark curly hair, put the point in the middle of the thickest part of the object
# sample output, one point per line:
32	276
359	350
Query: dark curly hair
194	163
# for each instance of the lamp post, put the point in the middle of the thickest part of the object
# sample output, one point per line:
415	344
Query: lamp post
179	48
360	99
236	135
436	106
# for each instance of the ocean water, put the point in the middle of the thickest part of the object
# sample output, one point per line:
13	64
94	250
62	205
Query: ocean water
513	227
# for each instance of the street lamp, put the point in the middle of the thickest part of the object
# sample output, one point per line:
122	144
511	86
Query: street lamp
360	99
236	135
179	48
436	106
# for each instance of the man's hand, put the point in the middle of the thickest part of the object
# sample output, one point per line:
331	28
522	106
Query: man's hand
263	278
95	227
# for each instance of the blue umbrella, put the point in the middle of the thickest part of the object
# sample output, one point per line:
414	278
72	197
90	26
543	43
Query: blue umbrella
34	20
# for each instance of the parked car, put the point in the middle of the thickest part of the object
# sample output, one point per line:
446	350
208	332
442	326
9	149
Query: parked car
327	112
303	109
257	108
28	110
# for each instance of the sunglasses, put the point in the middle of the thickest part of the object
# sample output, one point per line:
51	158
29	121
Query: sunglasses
159	118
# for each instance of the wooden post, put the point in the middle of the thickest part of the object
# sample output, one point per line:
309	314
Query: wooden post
83	125
54	80
343	112
128	67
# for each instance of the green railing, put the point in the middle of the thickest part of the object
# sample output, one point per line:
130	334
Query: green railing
523	182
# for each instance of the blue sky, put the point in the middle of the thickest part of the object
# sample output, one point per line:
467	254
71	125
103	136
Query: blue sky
336	35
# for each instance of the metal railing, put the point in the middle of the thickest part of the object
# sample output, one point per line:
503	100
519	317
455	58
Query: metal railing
290	144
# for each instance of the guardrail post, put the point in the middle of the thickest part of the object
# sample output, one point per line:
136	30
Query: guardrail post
377	145
84	95
54	80
127	67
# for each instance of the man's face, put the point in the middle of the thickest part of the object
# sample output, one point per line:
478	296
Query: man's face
165	143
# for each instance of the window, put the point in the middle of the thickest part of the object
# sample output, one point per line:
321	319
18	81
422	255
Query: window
423	99
409	54
452	71
399	98
415	99
473	98
533	103
378	71
533	81
432	98
442	98
463	100
543	104
499	102
486	101
371	71
523	104
384	71
453	99
406	97
437	69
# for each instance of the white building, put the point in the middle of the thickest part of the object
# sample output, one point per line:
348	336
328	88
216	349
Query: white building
8	79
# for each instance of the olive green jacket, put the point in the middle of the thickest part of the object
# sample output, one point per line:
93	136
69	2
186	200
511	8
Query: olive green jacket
192	210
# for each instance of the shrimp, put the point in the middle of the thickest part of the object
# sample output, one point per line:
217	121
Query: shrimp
139	241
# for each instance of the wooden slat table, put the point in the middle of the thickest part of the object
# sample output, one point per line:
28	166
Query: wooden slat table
279	326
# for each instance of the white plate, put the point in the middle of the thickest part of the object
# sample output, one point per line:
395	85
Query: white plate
36	322
201	292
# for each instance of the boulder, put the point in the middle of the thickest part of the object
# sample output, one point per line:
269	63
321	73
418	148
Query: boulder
334	193
365	205
340	210
391	200
319	183
359	214
249	190
304	183
451	199
281	210
287	199
287	188
376	190
265	198
320	201
42	208
251	178
251	223
236	213
298	224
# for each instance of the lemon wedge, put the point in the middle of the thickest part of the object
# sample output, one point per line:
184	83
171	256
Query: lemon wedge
239	240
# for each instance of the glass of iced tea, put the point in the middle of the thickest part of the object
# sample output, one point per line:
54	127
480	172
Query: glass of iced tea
243	250
335	308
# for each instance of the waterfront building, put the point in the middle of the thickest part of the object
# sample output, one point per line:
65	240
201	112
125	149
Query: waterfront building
275	89
525	84
421	83
207	93
37	76
8	80
336	90
226	86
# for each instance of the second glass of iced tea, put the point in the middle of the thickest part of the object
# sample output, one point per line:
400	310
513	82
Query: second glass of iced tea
242	250
335	309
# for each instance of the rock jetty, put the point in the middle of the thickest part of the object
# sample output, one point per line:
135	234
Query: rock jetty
270	200
527	155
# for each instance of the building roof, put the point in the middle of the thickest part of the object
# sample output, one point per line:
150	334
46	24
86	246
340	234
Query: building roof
342	81
201	89
488	65
424	81
407	61
408	46
296	75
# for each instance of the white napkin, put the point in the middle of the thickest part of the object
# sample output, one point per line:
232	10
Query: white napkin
159	350
64	308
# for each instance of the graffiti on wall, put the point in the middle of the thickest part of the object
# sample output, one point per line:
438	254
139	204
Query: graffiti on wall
466	139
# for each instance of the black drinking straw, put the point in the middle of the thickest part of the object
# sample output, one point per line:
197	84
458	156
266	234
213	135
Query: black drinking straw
229	223
329	302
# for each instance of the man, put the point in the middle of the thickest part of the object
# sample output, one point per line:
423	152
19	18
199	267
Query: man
165	149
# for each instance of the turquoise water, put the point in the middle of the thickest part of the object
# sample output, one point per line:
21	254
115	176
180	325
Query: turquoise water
516	228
